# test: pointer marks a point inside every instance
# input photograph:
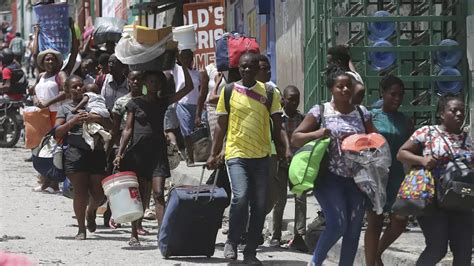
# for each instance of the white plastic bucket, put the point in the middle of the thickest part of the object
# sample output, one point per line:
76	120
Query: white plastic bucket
186	37
124	197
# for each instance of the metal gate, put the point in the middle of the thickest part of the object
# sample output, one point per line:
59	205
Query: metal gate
420	26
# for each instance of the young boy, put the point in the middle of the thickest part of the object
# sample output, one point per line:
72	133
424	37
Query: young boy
290	119
92	101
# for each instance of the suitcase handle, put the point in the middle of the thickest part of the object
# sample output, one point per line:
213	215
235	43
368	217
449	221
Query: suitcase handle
198	190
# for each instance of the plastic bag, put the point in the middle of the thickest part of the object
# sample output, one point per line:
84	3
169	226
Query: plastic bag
131	52
371	167
37	124
108	29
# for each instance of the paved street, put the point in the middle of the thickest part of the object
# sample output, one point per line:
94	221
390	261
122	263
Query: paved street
42	227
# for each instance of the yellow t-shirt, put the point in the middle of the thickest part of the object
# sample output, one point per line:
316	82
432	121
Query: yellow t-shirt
249	123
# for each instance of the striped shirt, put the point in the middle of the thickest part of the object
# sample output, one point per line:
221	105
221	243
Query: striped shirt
249	123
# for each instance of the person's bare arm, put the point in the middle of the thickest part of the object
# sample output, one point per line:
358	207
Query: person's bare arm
308	131
409	154
280	138
188	87
63	127
81	104
117	121
35	50
214	95
202	97
218	141
126	136
74	49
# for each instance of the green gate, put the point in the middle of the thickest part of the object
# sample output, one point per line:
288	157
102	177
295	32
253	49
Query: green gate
420	25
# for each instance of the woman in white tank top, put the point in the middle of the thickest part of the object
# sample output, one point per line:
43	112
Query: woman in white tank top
48	89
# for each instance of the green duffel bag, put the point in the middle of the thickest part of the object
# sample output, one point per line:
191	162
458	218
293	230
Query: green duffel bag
306	164
309	162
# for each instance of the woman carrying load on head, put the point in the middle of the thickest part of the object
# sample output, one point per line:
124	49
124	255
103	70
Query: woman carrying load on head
143	147
48	90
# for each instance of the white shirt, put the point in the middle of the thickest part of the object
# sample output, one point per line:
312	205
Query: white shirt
178	75
47	89
111	91
88	80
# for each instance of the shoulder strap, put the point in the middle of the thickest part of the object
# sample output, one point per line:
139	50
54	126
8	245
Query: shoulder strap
450	151
463	145
269	90
362	117
322	120
227	94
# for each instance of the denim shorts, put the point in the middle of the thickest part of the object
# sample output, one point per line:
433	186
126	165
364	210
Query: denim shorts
171	119
186	114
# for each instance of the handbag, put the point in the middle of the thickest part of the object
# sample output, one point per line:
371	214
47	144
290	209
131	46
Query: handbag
309	162
201	142
455	187
48	158
416	193
230	47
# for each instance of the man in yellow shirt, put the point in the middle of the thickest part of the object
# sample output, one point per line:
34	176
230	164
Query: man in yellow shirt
246	125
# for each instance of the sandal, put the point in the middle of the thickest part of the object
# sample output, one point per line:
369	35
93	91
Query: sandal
80	236
134	242
50	190
114	225
142	232
38	189
149	215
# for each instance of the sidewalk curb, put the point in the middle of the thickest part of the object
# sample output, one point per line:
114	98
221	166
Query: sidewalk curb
392	256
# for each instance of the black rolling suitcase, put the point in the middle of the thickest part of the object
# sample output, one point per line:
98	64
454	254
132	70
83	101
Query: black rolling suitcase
192	218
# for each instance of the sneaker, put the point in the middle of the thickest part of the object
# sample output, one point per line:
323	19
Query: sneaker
230	251
297	243
251	260
29	159
274	242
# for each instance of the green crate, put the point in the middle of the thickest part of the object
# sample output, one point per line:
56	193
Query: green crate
331	22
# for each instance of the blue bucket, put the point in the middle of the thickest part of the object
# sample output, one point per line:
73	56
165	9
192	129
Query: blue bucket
381	30
453	87
382	60
448	58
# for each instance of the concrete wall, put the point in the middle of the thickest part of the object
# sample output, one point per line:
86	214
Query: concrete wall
289	27
470	47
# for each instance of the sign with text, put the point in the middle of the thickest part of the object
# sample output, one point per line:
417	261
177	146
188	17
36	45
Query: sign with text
208	19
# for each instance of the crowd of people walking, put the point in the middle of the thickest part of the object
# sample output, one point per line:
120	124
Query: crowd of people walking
255	129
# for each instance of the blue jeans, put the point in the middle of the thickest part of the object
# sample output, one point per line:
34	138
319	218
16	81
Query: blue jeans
249	179
186	114
343	205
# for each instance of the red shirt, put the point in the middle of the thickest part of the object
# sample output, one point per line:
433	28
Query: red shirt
10	37
7	74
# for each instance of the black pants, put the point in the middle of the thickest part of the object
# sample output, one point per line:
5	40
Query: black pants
445	228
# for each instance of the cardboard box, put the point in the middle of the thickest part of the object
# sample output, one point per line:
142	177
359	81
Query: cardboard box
149	36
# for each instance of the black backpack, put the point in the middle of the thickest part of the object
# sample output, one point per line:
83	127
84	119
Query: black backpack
18	81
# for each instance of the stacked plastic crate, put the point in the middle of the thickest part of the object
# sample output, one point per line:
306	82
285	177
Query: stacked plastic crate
420	41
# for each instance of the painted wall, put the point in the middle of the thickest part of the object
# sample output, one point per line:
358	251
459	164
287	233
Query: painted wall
289	28
470	45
